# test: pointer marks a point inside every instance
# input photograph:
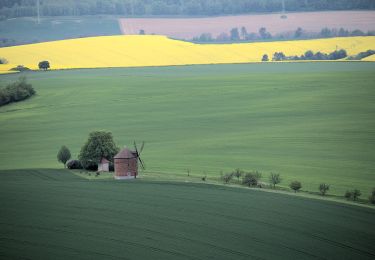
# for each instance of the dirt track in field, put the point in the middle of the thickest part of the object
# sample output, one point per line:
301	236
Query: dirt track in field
187	28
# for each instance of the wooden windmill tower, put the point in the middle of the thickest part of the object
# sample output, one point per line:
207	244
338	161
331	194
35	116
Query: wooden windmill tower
126	163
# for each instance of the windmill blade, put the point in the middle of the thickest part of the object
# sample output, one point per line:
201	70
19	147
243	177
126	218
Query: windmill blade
140	150
142	163
135	147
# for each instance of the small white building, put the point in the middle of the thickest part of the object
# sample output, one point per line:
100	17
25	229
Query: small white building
103	166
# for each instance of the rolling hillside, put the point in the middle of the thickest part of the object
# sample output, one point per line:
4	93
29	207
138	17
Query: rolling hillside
311	122
52	214
137	51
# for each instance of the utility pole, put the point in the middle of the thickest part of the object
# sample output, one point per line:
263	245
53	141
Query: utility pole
38	11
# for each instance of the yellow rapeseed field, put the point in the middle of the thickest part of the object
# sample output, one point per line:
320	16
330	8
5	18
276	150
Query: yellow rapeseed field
152	50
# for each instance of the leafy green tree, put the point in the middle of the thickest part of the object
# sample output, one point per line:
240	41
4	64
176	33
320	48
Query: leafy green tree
251	178
265	57
99	145
238	173
234	34
44	65
63	155
275	179
295	185
323	188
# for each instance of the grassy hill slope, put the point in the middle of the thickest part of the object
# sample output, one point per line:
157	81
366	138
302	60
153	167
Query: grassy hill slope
311	122
150	50
50	214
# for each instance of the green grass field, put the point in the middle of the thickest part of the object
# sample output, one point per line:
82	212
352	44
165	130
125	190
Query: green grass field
312	122
57	28
53	214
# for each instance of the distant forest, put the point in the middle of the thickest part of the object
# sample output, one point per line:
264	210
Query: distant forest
21	8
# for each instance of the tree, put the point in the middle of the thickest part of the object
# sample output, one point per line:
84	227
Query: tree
63	155
142	32
265	57
298	33
234	34
238	173
99	145
44	65
227	177
243	33
275	179
323	188
295	185
251	178
356	193
264	34
372	197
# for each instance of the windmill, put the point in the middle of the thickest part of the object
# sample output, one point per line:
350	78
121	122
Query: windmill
126	162
137	154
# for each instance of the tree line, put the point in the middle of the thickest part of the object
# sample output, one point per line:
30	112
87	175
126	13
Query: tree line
22	8
253	179
16	91
241	34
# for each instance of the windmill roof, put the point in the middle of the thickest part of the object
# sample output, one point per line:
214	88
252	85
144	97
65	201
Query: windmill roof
125	154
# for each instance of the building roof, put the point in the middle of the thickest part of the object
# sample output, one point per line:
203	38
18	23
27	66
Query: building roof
104	160
126	154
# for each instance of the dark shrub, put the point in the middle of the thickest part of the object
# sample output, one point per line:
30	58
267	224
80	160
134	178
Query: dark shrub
295	185
251	178
20	68
111	167
265	57
74	164
348	195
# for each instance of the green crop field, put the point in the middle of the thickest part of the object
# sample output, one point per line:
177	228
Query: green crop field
312	122
53	214
26	30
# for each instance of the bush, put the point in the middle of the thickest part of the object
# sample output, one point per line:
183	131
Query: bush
295	185
16	91
238	173
3	61
323	188
251	178
352	195
226	178
111	167
372	197
356	194
265	57
20	68
74	164
348	195
362	55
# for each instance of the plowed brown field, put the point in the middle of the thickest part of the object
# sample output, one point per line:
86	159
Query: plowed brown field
187	28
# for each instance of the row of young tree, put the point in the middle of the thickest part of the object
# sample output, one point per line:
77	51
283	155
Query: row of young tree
241	34
309	55
16	91
253	179
21	8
